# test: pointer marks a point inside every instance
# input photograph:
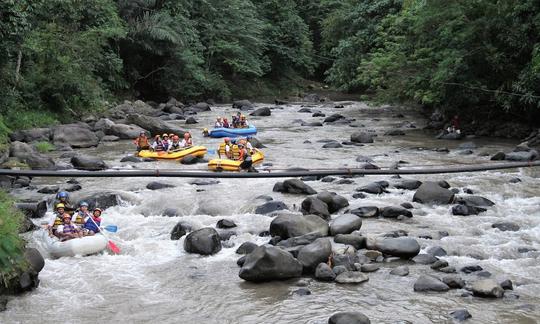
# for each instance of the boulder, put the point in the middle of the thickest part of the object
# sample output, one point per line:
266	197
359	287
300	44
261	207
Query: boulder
89	163
262	112
355	240
200	106
287	226
499	156
395	212
170	212
332	145
74	135
430	283
334	117
33	209
314	253
334	201
323	272
424	259
394	132
109	138
345	224
267	263
203	182
124	131
315	206
487	288
225	223
246	248
436	251
408	184
154	125
367	211
400	271
39	162
102	200
460	315
432	193
349	318
35	259
179	230
345	260
104	124
311	124
403	247
454	282
305	110
49	189
351	277
27	225
270	207
205	241
506	226
189	159
131	158
464	210
21	150
191	120
256	143
476	201
294	186
245	104
155	185
31	135
361	137
523	156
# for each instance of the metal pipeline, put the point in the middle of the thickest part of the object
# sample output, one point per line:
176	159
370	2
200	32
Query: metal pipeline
263	173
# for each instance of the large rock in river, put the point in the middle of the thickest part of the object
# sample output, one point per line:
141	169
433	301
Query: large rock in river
403	247
314	253
361	137
432	193
90	163
265	111
125	131
294	186
430	283
205	241
267	263
270	207
487	288
31	135
288	225
349	318
334	201
315	206
154	125
74	135
345	224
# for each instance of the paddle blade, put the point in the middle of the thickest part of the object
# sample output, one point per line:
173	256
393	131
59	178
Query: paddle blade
211	151
114	249
111	228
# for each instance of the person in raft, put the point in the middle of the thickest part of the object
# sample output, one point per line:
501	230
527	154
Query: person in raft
157	146
92	223
57	219
205	132
63	198
187	141
81	214
225	123
68	230
245	157
142	142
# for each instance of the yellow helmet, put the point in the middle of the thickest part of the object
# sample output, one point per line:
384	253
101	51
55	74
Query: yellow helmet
60	206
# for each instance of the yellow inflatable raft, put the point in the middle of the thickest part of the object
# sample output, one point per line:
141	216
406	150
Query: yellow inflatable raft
198	151
233	165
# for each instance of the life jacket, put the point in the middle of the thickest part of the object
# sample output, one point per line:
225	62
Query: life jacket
159	145
165	145
235	152
226	124
175	146
79	218
69	229
89	225
142	141
57	221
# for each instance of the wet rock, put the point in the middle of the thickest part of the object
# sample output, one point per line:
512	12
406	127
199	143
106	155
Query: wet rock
33	209
366	212
294	186
315	206
408	184
515	180
179	230
240	262
287	226
368	166
102	200
499	156
471	269
332	145
464	210
349	318
487	288
270	207
298	240
346	260
323	272
430	283
361	137
395	132
131	158
204	182
403	247
356	241
49	189
205	241
522	156
424	259
359	195
339	269
372	188
311	124
328	179
370	267
394	212
305	110
155	185
246	248
124	131
314	253
345	181
439	264
225	235
364	159
201	106
506	226
351	277
318	114
449	269
170	212
225	223
454	282
302	292
476	201
345	224
460	315
484	274
191	121
256	143
400	271
90	163
433	193
406	205
507	284
31	135
154	125
243	104
334	201
334	117
189	159
74	135
436	251
265	111
267	263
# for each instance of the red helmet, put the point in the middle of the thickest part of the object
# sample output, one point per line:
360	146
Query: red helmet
226	139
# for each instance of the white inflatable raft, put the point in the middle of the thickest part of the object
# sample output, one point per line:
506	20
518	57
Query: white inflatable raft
79	246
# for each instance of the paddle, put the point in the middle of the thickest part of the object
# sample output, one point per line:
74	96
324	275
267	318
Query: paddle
114	249
111	228
211	151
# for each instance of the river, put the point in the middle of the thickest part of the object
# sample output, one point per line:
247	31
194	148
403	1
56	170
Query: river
154	280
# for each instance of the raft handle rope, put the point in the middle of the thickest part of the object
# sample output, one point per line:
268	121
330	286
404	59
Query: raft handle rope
264	173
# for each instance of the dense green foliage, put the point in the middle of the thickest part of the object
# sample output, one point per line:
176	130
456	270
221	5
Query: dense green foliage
11	245
62	58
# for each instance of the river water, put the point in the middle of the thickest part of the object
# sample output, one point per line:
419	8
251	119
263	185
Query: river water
154	280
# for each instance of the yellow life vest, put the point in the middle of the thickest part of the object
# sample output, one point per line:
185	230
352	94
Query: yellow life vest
235	152
58	221
79	220
221	150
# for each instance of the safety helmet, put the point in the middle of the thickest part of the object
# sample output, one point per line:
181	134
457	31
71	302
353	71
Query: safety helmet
97	209
62	194
176	138
205	130
171	135
66	216
142	133
226	139
165	135
158	136
60	206
249	137
83	204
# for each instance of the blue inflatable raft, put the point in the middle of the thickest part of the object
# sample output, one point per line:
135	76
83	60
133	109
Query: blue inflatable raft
233	132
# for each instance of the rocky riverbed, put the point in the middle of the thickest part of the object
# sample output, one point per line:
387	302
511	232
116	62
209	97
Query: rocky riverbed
417	249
